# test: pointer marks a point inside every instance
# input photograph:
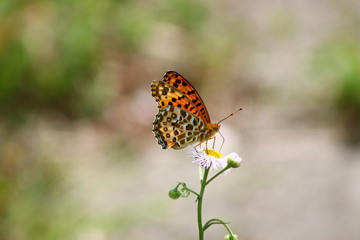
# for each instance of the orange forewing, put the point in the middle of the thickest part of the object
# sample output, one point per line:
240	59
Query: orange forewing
181	84
166	95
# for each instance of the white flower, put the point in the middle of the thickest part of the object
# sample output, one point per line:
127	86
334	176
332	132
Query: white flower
214	159
209	158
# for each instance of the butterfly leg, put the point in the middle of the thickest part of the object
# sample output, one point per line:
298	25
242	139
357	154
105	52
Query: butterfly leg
222	144
214	141
199	144
213	146
196	149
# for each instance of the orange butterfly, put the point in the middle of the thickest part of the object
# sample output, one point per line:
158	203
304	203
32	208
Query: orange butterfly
182	119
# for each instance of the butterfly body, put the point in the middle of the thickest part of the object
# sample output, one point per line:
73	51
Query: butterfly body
182	119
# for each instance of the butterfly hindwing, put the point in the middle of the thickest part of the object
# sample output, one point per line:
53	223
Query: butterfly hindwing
177	128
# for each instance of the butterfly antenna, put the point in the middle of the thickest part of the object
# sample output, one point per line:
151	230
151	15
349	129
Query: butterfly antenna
230	115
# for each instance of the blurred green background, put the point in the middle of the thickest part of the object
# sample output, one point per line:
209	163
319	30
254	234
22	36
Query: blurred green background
78	159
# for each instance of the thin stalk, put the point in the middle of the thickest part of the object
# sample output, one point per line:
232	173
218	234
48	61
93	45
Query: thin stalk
216	175
199	207
195	193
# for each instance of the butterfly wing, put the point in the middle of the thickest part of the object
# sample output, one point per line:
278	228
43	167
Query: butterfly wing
184	88
182	119
167	95
176	128
179	82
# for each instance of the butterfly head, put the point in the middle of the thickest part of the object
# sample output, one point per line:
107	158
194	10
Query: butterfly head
213	128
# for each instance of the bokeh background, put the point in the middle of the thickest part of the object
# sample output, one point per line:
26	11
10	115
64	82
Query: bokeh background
78	159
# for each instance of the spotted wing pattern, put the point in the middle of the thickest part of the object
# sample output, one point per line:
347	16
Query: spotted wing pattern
177	128
182	118
167	95
184	87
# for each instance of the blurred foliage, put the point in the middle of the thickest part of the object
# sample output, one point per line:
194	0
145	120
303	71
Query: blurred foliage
337	62
33	200
189	14
52	52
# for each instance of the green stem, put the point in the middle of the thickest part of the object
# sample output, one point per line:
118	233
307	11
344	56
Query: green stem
195	193
217	221
199	207
184	186
216	175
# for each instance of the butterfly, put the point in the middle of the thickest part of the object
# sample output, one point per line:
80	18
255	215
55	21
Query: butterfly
182	119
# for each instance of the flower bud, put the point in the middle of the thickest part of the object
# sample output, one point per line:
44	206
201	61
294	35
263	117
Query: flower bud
231	237
233	160
174	193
